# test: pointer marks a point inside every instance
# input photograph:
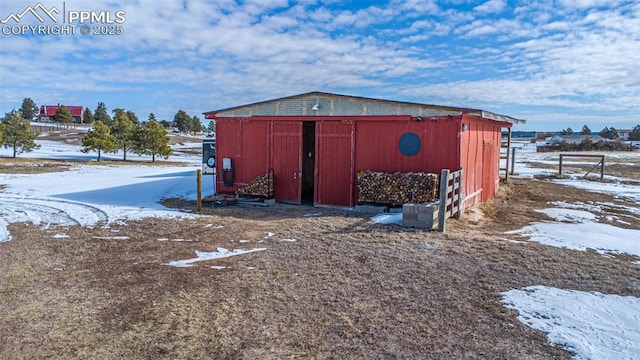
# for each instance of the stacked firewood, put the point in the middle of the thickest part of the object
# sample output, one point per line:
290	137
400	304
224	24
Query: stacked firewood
397	188
262	186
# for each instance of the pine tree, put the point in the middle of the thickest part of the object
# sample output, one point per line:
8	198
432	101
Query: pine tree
133	117
609	133
63	116
102	115
123	129
29	109
1	133
212	126
567	131
99	139
152	139
195	125
586	130
87	116
17	133
182	121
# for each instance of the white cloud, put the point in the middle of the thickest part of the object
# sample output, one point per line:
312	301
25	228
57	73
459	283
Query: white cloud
208	55
491	6
586	4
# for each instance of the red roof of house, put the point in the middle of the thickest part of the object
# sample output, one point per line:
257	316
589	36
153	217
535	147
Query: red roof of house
50	110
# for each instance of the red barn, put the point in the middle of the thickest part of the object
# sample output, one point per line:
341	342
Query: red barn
48	112
316	143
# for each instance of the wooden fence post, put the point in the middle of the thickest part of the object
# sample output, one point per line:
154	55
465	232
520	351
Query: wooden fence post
459	194
199	190
442	210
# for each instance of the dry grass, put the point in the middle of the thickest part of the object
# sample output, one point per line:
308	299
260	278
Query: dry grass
347	288
29	166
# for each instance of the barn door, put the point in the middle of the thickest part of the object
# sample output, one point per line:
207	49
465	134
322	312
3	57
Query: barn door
490	170
286	160
335	172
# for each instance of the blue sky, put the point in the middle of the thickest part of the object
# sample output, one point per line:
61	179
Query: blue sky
557	63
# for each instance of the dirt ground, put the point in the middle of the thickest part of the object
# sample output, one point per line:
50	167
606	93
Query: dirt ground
346	288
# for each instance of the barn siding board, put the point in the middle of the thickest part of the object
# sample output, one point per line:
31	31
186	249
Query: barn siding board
377	146
255	151
228	146
246	144
334	163
480	148
286	160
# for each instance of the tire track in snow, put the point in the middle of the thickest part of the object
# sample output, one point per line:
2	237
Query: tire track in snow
46	212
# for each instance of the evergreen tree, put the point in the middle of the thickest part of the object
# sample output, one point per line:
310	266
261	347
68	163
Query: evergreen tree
29	109
609	133
211	127
152	139
17	133
87	116
99	139
635	133
151	117
133	117
567	131
102	115
123	129
182	121
195	125
63	116
585	130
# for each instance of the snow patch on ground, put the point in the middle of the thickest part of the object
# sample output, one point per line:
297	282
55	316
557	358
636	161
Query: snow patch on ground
218	254
388	218
589	324
630	192
578	230
569	215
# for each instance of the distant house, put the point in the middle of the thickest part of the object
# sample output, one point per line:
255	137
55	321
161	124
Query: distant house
48	112
624	134
572	139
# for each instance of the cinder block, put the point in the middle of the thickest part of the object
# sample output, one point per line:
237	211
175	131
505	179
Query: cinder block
421	216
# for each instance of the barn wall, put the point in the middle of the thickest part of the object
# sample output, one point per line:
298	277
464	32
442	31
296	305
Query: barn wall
246	143
480	158
377	145
346	145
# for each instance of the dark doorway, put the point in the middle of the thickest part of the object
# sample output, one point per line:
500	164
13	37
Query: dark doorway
308	160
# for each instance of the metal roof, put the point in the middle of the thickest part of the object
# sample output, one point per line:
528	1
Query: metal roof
467	111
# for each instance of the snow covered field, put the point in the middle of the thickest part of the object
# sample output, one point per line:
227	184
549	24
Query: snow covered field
88	194
592	325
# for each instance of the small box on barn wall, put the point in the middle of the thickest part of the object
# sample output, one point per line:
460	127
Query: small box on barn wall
420	216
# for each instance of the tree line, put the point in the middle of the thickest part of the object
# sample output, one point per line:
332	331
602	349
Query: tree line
123	131
607	133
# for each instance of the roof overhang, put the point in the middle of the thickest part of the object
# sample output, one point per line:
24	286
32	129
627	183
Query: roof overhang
496	117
